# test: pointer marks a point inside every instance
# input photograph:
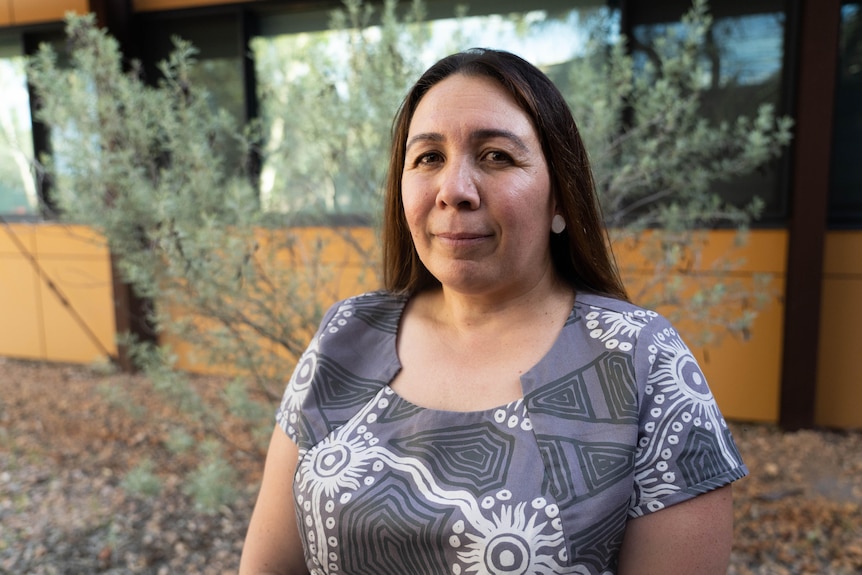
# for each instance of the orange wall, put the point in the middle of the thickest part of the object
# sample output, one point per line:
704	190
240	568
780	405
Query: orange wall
145	5
745	376
333	252
5	12
35	322
14	12
839	370
33	11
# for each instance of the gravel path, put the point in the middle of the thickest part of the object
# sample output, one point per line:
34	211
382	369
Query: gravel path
64	450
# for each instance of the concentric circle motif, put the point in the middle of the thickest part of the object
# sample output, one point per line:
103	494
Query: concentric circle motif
507	554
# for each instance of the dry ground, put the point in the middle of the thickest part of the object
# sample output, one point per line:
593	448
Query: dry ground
66	444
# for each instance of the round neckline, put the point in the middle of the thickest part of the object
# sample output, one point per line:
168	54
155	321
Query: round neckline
475	413
480	412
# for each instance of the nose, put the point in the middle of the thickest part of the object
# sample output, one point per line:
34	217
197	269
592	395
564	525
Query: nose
458	186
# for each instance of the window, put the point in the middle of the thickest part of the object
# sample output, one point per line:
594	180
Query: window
18	195
742	62
219	68
845	194
327	98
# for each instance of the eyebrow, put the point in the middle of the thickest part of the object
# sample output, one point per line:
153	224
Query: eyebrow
476	135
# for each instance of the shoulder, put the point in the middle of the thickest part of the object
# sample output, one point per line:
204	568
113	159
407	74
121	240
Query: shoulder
350	358
642	335
614	321
602	303
377	310
358	334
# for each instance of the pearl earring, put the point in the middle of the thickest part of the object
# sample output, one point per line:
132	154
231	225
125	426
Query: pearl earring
558	224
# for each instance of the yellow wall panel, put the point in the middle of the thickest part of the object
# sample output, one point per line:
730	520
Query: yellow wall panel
765	251
20	312
839	371
843	254
34	321
147	5
334	252
5	12
745	376
31	11
57	240
85	285
14	237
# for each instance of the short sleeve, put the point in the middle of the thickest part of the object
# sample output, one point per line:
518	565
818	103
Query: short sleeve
684	445
348	360
288	414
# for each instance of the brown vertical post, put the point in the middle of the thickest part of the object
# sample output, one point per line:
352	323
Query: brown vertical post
116	17
819	22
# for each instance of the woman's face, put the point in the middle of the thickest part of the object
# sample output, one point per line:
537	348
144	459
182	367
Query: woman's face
476	189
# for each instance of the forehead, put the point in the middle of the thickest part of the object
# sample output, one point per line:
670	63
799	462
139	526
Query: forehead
475	102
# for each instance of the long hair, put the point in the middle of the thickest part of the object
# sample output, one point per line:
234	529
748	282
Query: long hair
581	254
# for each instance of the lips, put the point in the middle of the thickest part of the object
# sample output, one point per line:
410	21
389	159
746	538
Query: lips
461	240
458	236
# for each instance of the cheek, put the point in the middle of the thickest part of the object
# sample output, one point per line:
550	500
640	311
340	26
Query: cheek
412	213
532	208
415	199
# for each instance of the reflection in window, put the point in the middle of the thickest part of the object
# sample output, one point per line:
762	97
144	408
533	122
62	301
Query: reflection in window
17	185
845	197
327	98
741	63
218	67
740	50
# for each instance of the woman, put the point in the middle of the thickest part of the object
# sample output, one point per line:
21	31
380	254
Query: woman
501	407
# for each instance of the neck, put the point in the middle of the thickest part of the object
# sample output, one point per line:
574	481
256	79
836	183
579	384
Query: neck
472	312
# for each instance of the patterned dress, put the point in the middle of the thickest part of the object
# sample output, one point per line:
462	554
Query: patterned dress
616	421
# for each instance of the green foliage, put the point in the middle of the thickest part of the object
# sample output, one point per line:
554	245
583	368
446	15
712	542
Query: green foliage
329	114
655	152
179	441
147	167
142	480
212	484
118	397
167	181
657	155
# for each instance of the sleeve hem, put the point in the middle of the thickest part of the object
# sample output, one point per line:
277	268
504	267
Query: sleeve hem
653	505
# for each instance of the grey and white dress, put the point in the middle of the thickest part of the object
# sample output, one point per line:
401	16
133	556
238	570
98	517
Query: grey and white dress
616	421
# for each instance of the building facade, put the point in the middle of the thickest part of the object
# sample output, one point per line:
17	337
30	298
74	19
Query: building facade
60	301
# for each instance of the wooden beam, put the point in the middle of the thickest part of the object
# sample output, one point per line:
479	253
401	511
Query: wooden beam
817	49
116	16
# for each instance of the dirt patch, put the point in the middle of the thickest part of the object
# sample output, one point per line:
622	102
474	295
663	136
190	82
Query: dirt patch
70	434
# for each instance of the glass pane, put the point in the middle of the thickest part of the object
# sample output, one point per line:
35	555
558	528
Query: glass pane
845	195
327	117
219	67
742	62
17	184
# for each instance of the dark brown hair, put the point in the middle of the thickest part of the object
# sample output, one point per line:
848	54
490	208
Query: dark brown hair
580	254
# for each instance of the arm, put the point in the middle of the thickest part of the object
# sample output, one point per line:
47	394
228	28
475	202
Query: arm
272	544
690	538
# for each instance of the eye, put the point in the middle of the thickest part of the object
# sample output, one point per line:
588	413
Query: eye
428	158
498	157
